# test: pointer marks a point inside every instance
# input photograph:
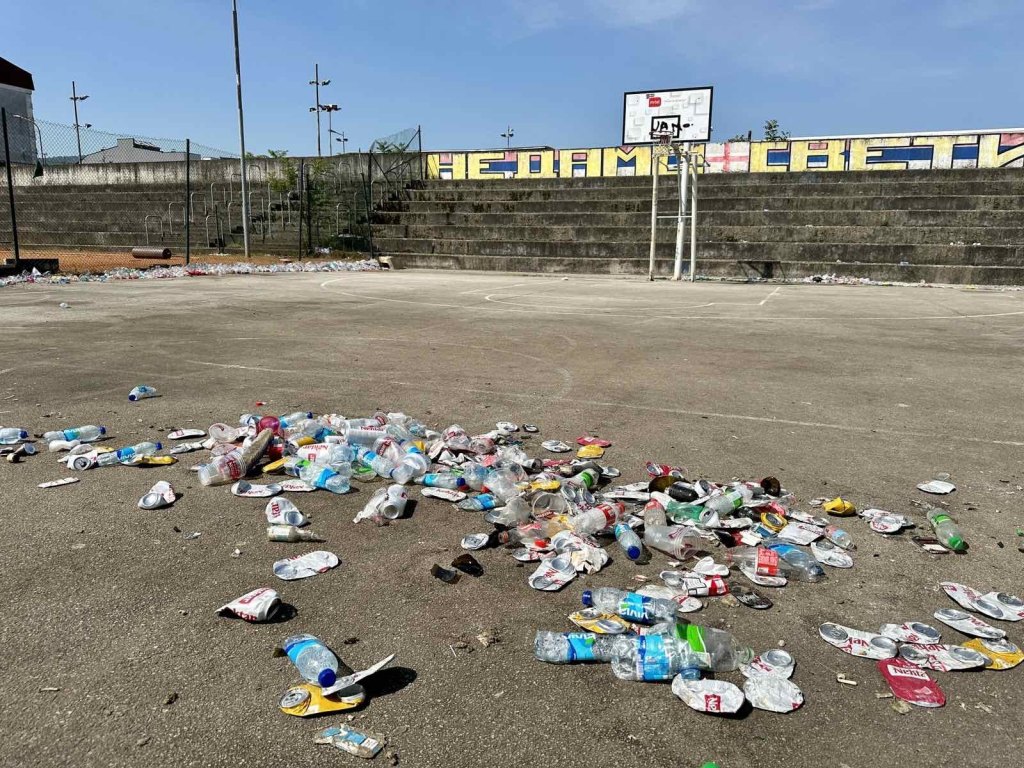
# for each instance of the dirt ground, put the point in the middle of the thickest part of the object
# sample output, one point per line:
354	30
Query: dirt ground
859	391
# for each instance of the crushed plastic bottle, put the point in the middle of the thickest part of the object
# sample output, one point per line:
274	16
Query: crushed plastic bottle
12	435
946	530
84	434
572	647
142	392
127	454
327	478
630	605
313	659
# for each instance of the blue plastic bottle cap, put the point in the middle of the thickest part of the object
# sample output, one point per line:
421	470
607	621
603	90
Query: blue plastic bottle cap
103	430
159	446
326	678
23	434
587	597
633	553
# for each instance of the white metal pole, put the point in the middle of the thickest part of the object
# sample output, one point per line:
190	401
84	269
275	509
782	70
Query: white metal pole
241	132
684	180
654	207
693	225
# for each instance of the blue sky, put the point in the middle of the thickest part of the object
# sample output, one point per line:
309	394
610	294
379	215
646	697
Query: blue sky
553	69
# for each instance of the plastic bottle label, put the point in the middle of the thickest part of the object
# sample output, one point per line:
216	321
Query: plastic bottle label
695	639
767	562
71	434
487	501
937	520
635	607
325	475
581	646
293	651
651	659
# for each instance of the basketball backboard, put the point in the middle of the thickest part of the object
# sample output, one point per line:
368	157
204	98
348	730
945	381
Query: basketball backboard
683	112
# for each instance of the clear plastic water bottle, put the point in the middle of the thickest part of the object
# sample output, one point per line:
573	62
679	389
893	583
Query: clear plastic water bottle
630	605
604	515
290	533
86	434
572	647
629	541
141	392
766	561
475	475
12	435
479	503
327	478
456	438
587	478
730	499
226	468
946	530
384	467
654	513
502	483
413	465
365	436
290	419
806	565
127	454
839	537
442	480
678	541
313	659
650	657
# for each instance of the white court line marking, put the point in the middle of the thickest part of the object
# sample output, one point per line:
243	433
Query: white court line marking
733	318
765	299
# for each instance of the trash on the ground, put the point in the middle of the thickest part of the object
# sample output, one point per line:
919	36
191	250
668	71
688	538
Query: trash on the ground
857	642
446	575
938	487
930	544
186	448
842	679
12	435
475	541
826	552
142	392
304	566
773	693
446	494
600	622
839	507
282	511
55	446
595	441
910	632
25	449
185	434
58	483
346	681
248	490
1001	654
973	600
716	697
160	495
556	446
348	739
751	599
946	530
910	683
294	485
590	452
553	574
290	533
256	606
968	624
468	565
307	699
774	661
943	658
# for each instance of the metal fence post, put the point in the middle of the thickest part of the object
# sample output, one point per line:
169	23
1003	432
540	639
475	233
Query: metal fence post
309	214
10	190
419	144
188	201
302	178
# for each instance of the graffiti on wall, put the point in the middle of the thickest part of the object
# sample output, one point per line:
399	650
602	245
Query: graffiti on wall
872	153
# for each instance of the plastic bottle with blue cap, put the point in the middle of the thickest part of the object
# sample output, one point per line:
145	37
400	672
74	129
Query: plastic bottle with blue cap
313	659
12	435
86	434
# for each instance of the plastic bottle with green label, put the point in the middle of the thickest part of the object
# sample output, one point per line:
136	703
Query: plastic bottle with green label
946	530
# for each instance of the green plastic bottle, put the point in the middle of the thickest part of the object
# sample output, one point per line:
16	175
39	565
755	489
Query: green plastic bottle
946	530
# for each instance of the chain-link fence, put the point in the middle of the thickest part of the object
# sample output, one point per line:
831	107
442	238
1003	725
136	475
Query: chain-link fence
88	200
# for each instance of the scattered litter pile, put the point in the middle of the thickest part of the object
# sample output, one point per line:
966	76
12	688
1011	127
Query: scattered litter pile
561	513
192	270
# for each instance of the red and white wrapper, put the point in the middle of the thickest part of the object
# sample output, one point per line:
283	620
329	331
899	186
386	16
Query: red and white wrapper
801	533
256	606
775	662
866	645
967	624
304	566
973	600
764	581
911	684
553	574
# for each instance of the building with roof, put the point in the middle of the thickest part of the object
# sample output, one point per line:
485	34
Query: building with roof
134	151
16	89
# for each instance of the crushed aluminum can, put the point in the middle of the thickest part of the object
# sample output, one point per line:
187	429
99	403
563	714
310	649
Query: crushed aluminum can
553	574
968	624
775	662
58	483
857	643
943	658
910	683
888	523
1001	654
773	693
939	487
694	584
1011	605
256	606
597	621
160	495
475	541
911	632
446	494
248	490
185	434
556	446
304	566
185	448
307	699
281	511
507	426
973	600
716	697
826	552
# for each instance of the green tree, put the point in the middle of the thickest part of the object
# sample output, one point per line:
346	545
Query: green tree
772	132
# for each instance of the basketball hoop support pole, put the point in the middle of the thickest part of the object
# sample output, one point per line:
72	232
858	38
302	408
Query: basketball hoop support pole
654	209
693	224
683	174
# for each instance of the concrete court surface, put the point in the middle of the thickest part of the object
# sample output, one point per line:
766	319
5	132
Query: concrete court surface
859	391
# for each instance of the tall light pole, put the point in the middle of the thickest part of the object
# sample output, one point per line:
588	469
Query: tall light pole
316	82
330	109
241	132
75	98
340	136
507	135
